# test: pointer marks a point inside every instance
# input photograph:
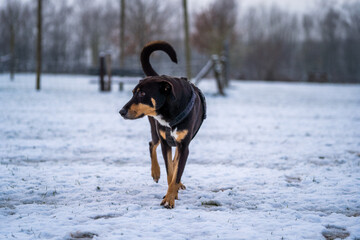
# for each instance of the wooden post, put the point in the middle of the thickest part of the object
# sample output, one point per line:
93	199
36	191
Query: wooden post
225	62
203	72
108	71
215	64
102	72
218	74
38	48
187	45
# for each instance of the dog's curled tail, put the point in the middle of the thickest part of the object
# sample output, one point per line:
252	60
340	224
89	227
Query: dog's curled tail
152	47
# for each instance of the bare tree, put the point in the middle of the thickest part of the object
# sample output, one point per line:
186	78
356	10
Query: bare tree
270	43
310	54
214	25
13	17
97	21
266	43
329	25
91	24
330	49
351	45
39	44
122	33
57	35
146	20
186	40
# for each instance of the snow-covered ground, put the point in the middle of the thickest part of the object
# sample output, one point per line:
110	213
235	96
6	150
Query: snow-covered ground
271	161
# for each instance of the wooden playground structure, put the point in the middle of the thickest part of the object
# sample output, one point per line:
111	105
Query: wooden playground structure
217	64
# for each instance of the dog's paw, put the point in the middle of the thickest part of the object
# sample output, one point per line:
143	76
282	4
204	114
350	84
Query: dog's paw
182	186
176	196
155	173
169	201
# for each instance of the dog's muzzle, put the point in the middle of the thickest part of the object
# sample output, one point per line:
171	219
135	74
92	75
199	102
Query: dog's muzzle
123	112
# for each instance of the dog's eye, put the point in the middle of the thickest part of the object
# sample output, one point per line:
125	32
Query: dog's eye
141	94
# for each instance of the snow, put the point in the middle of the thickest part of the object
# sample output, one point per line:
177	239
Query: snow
271	161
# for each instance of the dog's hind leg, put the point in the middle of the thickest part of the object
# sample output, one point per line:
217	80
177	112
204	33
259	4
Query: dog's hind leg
175	167
153	144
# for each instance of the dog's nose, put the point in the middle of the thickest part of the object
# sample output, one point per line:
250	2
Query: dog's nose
123	112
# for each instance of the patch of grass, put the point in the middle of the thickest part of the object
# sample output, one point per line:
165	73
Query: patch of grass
222	189
333	232
84	235
211	203
106	216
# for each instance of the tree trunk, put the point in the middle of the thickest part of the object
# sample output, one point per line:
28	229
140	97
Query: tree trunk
94	49
122	33
187	46
38	49
12	52
226	61
102	73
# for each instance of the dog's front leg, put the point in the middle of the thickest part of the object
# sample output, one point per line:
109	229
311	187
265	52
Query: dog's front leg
181	155
167	155
155	141
155	168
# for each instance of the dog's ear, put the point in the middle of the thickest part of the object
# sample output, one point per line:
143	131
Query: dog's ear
167	88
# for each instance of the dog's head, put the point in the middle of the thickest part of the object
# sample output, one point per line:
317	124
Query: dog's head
148	97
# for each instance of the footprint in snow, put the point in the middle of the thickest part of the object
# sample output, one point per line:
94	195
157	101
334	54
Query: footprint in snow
333	232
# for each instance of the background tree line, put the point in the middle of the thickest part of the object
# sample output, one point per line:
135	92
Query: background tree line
265	42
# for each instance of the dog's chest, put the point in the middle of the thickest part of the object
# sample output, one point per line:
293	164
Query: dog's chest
169	135
161	121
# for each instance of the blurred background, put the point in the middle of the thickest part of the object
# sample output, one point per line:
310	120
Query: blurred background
309	41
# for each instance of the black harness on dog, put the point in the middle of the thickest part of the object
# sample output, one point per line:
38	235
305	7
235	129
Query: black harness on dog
186	111
179	118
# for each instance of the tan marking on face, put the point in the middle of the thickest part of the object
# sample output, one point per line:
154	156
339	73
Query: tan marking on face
180	135
153	102
136	110
162	134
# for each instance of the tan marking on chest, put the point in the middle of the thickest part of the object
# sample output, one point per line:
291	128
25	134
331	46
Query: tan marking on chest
180	135
162	134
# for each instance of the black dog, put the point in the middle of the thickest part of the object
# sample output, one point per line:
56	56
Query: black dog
176	110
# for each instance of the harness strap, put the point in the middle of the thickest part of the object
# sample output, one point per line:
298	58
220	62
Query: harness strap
179	118
203	101
186	111
169	139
